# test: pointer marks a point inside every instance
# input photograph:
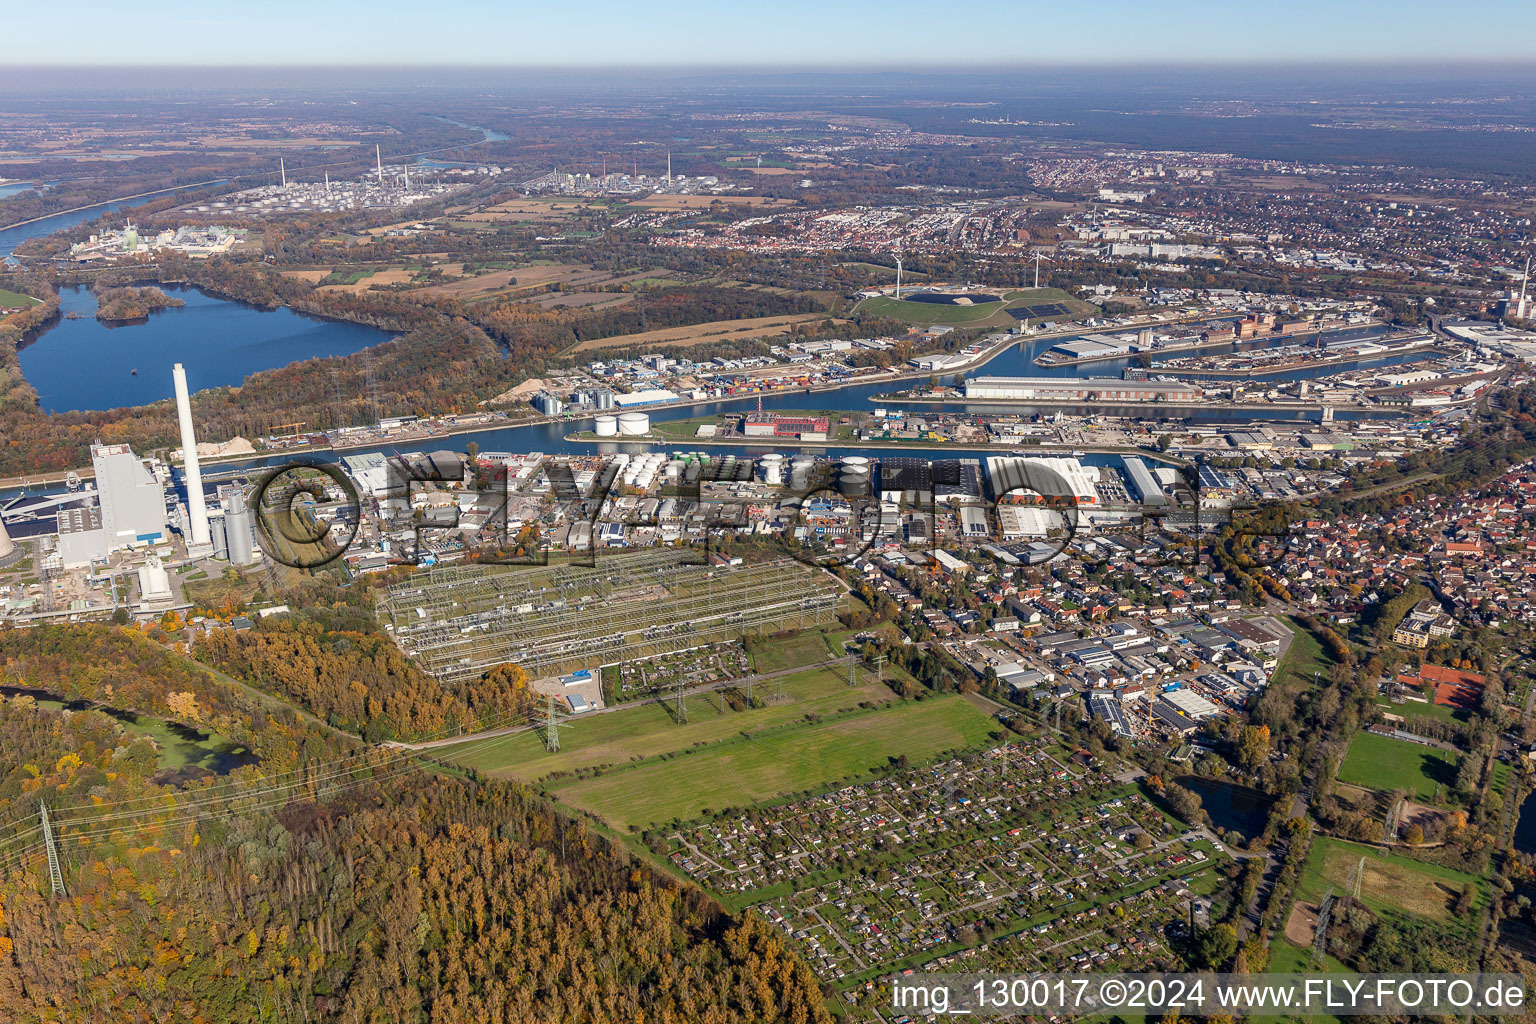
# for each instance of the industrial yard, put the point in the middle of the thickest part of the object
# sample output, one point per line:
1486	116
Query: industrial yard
459	622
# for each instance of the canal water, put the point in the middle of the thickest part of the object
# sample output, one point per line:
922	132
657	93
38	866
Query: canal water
79	363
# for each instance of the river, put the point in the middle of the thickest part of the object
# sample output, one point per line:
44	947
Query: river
12	237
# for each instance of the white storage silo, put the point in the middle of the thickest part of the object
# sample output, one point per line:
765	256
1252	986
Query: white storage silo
606	426
634	424
773	469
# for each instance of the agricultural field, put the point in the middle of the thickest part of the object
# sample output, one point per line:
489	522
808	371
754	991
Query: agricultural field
362	280
478	282
1391	884
714	330
704	202
650	729
532	210
1381	762
747	770
804	648
980	315
10	299
1030	305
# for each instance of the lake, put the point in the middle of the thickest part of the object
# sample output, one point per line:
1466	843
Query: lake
83	364
1525	827
1231	807
181	746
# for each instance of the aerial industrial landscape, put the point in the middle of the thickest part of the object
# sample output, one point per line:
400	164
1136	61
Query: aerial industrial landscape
653	544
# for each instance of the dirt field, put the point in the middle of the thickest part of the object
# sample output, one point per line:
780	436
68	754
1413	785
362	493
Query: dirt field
1393	883
556	300
306	275
1302	926
715	330
577	279
525	210
394	275
703	202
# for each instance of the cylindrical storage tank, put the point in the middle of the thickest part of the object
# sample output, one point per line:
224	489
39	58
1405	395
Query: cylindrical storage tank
634	424
800	473
674	471
239	530
606	426
772	467
855	462
853	483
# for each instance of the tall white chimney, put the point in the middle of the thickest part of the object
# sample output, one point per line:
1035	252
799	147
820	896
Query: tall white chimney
197	509
379	159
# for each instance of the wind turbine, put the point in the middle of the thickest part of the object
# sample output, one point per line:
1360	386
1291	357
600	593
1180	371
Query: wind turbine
1038	257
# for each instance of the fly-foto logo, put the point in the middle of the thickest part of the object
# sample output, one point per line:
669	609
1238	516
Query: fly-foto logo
308	513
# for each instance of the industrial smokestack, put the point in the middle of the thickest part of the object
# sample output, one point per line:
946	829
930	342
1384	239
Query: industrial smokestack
283	171
379	159
197	508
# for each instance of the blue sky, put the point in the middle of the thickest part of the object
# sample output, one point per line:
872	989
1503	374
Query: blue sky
828	33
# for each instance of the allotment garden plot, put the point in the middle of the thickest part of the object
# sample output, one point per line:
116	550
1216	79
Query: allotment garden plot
1006	858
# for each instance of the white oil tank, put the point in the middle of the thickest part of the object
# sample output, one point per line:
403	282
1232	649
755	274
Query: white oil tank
772	466
634	424
606	426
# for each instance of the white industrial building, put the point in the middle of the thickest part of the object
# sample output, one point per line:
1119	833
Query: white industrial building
1051	479
132	500
1079	389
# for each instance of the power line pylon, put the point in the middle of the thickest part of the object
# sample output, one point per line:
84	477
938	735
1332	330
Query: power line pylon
853	679
55	876
552	725
1320	937
681	710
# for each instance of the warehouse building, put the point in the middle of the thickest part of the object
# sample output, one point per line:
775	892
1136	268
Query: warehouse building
1080	389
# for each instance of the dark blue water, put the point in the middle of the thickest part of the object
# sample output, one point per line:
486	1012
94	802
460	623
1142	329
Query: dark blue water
83	364
12	188
550	438
950	298
1232	807
1525	826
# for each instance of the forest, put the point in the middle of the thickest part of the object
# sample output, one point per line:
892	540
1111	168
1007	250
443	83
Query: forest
365	887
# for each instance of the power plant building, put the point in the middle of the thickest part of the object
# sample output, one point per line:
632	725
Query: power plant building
132	500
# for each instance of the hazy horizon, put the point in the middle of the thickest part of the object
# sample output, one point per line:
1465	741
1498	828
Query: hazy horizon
795	33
